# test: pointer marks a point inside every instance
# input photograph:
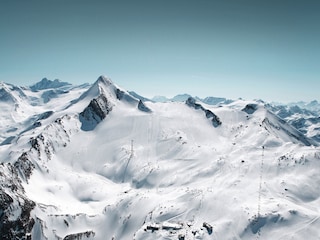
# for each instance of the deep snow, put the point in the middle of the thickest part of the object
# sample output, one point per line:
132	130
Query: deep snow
167	173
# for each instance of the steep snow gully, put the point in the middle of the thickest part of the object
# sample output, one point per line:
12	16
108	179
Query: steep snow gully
99	162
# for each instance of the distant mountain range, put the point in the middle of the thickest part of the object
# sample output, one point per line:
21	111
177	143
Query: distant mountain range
95	161
183	98
304	116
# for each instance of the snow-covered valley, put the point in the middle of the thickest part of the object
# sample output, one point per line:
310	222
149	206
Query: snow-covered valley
96	162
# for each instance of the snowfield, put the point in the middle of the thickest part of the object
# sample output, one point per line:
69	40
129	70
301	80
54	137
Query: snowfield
95	162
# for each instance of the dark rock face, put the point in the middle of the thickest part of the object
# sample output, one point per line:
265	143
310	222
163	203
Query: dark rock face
142	107
24	166
95	112
208	227
214	118
250	108
124	96
8	140
80	236
13	202
191	102
45	115
119	94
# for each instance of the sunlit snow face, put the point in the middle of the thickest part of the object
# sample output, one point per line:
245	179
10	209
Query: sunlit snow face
164	173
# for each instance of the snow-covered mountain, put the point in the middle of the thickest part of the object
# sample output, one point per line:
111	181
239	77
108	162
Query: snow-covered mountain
98	162
184	97
312	106
305	118
48	84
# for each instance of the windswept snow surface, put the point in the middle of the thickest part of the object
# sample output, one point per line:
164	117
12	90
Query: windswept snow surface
168	173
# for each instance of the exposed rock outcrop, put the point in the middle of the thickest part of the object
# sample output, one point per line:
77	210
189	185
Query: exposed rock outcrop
142	107
250	108
15	207
80	236
95	112
215	120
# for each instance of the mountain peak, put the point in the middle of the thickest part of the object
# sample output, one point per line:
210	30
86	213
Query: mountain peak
47	84
100	86
105	80
104	85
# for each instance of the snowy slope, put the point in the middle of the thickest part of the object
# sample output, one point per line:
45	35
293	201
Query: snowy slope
105	165
23	109
304	117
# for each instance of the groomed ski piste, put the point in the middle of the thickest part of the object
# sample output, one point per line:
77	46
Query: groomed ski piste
98	163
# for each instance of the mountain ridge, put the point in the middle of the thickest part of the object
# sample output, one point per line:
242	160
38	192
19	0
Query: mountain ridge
163	173
47	84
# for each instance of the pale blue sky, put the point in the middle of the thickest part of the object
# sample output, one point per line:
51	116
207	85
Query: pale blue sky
229	48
